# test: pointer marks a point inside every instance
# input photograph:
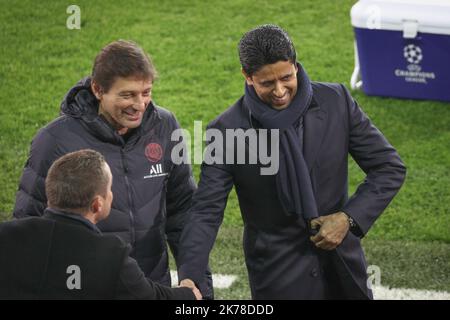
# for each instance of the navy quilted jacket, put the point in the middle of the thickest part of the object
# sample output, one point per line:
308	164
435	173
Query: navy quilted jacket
152	195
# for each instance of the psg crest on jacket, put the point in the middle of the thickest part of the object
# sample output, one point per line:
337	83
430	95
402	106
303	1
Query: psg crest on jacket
153	152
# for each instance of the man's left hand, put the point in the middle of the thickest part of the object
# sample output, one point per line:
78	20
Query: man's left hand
333	229
188	283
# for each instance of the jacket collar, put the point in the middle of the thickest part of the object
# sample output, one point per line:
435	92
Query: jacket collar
314	128
69	217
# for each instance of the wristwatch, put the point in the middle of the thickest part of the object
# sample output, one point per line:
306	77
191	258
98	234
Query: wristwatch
351	222
353	226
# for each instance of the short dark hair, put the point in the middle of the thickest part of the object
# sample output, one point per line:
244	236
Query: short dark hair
121	59
75	179
266	44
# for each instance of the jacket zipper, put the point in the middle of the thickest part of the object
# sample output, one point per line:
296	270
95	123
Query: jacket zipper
130	199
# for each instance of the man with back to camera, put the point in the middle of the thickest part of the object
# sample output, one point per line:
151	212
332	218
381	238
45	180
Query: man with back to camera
63	255
112	112
301	232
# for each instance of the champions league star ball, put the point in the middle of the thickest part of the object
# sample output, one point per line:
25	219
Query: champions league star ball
412	54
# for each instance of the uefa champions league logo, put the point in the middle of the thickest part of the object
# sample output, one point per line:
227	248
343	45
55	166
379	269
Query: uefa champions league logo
412	54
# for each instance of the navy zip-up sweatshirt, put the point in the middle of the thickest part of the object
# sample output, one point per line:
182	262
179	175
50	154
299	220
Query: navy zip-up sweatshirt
152	195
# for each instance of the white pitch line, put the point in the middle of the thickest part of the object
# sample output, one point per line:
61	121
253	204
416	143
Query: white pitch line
385	293
220	281
223	281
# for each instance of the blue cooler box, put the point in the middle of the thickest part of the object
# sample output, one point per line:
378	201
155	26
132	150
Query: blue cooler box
402	48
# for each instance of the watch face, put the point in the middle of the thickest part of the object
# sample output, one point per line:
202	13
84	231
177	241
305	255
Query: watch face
351	222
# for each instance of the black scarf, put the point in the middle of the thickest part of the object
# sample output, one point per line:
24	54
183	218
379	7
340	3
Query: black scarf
293	181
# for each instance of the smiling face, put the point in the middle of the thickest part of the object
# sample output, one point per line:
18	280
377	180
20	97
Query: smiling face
275	84
124	104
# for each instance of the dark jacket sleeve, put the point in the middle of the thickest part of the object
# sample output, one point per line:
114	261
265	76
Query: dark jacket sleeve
385	171
208	205
30	197
180	189
132	284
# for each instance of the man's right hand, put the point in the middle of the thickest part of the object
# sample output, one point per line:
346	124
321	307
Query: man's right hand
190	284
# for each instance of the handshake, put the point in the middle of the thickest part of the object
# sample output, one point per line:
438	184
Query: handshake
188	283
